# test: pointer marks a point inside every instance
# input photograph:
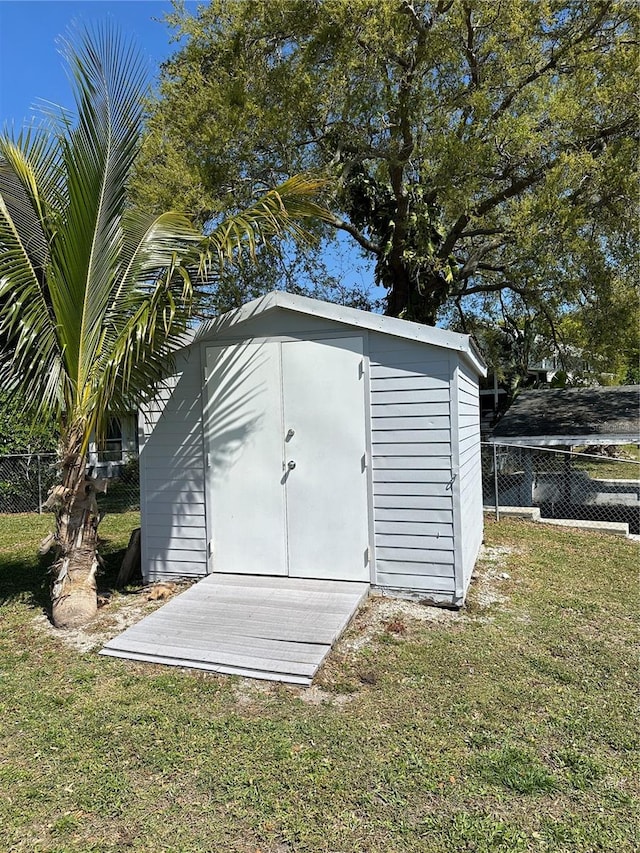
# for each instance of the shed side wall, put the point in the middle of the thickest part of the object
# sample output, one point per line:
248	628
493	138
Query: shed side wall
470	469
411	461
172	502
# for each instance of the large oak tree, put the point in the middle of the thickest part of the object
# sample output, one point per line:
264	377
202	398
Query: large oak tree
474	147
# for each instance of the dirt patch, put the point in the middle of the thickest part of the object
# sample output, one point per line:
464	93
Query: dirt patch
387	614
490	577
316	695
384	614
249	691
116	613
380	614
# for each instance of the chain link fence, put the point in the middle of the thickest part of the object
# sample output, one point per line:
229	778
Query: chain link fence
590	485
25	480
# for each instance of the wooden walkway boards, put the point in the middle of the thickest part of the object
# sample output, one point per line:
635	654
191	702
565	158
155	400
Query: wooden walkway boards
262	627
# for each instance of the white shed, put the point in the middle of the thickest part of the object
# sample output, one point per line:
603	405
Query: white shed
306	439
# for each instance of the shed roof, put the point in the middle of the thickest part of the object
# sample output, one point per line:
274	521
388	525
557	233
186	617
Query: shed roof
418	332
608	415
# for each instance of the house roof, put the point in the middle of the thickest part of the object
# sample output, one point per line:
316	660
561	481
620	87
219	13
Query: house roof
463	344
572	416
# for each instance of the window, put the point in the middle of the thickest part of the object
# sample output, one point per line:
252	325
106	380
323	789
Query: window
110	449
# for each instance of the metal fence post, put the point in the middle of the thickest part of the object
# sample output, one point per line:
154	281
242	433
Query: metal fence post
495	482
39	487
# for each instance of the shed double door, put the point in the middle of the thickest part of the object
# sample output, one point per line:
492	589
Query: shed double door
286	455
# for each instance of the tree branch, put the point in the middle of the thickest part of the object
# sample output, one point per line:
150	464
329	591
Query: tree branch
552	62
482	232
475	257
358	236
469	52
594	144
488	288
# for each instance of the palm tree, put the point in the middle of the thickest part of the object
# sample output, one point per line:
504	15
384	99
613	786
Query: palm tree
93	294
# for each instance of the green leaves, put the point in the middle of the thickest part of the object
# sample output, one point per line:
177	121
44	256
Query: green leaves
508	128
95	294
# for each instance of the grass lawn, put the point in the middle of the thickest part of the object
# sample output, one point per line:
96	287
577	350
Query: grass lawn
624	468
511	727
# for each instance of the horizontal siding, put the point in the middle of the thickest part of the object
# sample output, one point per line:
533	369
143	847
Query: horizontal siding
174	538
412	422
425	449
416	556
405	369
415	516
423	543
165	477
177	495
406	395
175	533
174	518
424	502
430	584
417	528
411	475
435	489
424	437
186	555
470	470
411	465
414	384
164	569
409	409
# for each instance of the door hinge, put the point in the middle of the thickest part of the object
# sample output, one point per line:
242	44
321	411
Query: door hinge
210	548
361	368
208	460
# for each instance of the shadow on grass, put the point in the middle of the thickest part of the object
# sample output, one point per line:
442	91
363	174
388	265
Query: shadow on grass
25	579
25	575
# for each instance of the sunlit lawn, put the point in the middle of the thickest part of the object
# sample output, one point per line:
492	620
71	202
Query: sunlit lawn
511	728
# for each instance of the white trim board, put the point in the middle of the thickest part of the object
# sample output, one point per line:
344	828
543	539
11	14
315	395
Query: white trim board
226	323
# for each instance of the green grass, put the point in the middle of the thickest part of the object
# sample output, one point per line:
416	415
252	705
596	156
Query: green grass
512	728
604	468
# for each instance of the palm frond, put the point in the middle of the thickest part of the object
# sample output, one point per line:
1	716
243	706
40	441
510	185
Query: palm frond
98	154
29	344
277	214
94	296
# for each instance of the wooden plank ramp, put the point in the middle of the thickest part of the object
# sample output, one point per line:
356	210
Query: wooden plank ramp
273	628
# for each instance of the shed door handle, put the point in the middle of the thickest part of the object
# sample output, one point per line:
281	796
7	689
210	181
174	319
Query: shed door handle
291	465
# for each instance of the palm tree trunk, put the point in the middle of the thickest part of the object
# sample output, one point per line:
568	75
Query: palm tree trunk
73	590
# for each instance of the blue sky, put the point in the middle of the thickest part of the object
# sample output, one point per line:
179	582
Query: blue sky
31	68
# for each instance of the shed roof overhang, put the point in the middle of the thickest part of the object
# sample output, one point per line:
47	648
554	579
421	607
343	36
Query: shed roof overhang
463	344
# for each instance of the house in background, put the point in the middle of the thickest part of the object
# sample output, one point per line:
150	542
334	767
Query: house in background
304	439
119	446
521	360
528	474
572	417
494	394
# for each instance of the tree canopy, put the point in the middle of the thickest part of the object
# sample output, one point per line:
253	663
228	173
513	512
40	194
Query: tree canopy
474	148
